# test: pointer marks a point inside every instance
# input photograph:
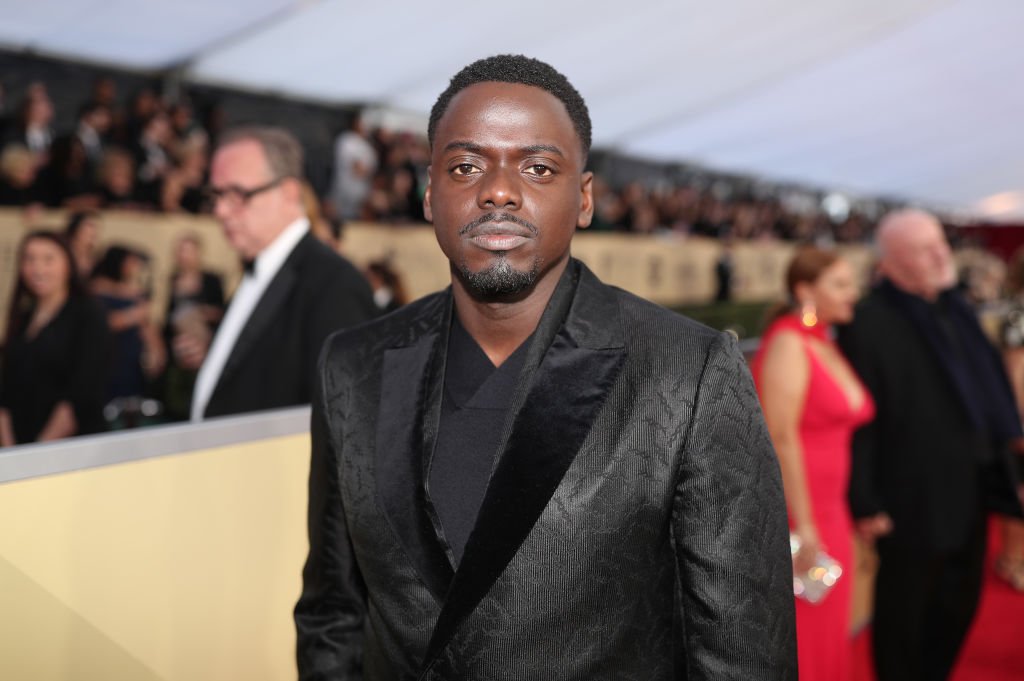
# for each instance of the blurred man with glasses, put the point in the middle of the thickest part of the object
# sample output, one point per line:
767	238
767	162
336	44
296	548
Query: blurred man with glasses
295	290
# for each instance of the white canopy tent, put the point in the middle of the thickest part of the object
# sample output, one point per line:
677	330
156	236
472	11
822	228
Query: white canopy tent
908	98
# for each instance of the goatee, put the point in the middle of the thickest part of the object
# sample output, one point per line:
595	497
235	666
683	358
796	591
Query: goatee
500	280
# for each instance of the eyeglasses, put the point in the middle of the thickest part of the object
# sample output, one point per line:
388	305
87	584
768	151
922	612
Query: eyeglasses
235	195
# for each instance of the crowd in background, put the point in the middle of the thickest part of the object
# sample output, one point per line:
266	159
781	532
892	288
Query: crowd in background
153	155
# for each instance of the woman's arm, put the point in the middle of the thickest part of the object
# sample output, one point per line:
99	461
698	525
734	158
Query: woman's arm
785	373
62	423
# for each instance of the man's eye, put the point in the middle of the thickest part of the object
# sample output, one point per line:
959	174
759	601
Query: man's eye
464	169
539	170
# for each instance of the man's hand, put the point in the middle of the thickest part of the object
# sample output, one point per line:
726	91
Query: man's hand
190	350
873	527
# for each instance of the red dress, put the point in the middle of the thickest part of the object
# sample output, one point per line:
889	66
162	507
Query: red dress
826	427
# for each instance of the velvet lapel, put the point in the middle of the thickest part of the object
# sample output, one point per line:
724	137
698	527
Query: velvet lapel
412	379
266	310
574	360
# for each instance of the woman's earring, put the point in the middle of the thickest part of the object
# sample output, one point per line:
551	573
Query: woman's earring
808	315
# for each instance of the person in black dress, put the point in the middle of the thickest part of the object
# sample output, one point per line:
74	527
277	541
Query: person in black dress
55	351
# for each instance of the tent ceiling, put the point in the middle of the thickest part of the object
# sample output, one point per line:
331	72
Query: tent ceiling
909	98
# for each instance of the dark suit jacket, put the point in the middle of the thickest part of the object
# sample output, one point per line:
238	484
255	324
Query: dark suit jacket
634	526
315	293
920	459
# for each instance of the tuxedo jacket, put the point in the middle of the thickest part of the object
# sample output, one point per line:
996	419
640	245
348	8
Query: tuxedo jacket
921	460
633	526
273	361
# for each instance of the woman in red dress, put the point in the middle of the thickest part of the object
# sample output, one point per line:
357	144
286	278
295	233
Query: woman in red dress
813	401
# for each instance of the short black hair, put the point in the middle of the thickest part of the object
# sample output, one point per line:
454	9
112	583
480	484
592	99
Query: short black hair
516	68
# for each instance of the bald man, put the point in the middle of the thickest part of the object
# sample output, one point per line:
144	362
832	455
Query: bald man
935	460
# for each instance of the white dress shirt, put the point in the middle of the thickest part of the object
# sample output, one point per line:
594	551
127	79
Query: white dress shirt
266	266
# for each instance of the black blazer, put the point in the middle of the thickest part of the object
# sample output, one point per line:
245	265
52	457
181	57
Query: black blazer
315	293
920	459
634	526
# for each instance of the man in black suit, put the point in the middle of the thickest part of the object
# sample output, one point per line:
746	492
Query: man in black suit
533	475
935	459
295	291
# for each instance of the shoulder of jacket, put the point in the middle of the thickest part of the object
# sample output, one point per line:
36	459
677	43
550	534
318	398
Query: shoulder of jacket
394	329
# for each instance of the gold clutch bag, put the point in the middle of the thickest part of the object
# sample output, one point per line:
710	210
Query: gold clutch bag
814	584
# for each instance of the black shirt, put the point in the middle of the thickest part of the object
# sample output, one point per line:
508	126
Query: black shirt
476	399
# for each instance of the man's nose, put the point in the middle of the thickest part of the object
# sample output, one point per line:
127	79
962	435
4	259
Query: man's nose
499	188
221	207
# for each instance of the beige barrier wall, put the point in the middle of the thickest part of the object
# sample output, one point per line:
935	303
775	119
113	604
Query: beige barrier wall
179	568
671	270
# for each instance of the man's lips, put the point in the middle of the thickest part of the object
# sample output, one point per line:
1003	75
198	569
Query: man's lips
498	232
499	236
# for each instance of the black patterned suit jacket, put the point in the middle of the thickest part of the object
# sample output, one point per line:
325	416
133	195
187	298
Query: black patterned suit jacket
634	525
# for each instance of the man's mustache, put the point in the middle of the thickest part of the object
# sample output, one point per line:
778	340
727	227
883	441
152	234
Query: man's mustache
497	217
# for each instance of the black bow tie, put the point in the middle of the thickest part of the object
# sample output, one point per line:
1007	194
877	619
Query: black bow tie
248	266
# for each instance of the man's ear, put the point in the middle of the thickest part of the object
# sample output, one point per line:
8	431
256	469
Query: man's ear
587	200
292	188
428	212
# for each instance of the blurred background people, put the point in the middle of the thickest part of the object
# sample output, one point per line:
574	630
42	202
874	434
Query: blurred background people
55	351
935	459
195	306
82	236
138	352
813	402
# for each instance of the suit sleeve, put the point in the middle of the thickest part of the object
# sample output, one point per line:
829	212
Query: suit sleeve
864	498
330	612
730	534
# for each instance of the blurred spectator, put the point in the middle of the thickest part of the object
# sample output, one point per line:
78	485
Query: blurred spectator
813	401
725	268
151	158
67	180
185	130
295	291
82	236
182	188
144	105
33	128
388	289
195	307
54	365
94	122
355	162
18	180
139	354
104	93
117	181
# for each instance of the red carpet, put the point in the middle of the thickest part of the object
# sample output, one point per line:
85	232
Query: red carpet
995	647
